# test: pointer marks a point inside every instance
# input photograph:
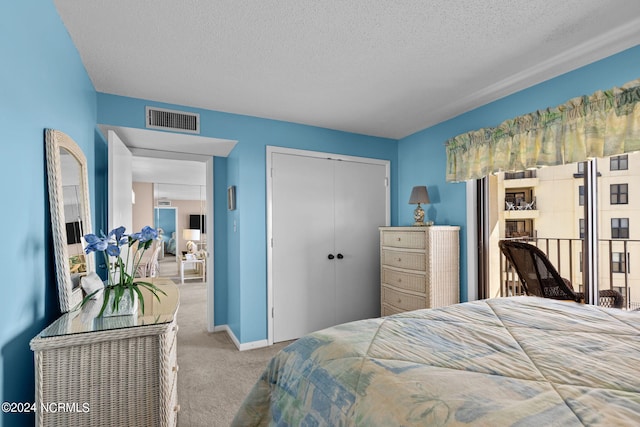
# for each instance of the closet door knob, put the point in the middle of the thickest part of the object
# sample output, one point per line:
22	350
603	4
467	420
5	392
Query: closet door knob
340	256
331	256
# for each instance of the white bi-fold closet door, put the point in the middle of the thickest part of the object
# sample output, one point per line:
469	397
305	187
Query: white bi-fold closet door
325	215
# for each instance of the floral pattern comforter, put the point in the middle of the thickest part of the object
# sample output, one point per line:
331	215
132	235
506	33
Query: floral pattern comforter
521	361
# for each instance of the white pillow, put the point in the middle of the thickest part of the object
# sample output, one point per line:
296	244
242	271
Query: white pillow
92	283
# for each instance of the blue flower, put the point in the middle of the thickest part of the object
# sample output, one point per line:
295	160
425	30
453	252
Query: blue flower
95	243
145	237
118	234
120	280
113	250
148	233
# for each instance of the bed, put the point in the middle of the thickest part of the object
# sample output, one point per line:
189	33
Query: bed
522	361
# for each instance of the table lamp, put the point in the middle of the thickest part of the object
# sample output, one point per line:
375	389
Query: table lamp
419	194
190	235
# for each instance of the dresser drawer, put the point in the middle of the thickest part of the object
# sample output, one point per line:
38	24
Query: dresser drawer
388	310
409	260
408	281
402	300
403	239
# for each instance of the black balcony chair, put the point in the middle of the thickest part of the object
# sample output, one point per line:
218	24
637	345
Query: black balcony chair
540	278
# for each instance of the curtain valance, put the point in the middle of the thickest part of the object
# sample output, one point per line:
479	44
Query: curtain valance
603	124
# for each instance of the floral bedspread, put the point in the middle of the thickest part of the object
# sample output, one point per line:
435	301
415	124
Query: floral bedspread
521	361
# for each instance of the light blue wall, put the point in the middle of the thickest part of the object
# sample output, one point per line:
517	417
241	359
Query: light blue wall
244	260
43	84
421	156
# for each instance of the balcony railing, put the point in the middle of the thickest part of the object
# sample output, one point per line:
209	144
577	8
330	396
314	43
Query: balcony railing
520	175
566	256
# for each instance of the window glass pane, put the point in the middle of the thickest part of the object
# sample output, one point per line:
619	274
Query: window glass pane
581	195
618	194
618	262
619	162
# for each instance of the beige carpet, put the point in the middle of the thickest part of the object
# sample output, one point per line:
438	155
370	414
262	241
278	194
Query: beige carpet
214	377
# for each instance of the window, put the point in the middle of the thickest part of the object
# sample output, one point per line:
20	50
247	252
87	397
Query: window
619	163
581	228
581	195
580	168
618	262
515	197
619	228
521	228
619	194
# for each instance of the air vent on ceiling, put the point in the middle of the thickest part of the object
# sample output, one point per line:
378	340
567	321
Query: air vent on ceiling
164	202
159	118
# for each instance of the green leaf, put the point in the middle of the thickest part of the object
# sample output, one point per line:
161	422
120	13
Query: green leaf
153	289
104	301
88	297
140	298
119	292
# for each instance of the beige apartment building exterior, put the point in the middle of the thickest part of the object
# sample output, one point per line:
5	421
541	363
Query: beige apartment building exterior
546	207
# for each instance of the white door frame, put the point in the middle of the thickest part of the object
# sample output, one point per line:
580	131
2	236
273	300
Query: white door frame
209	212
472	241
318	154
119	184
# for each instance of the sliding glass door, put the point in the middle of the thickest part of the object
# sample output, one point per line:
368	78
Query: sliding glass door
546	207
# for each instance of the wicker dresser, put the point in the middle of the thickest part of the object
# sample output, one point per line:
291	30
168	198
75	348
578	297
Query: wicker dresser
419	268
113	371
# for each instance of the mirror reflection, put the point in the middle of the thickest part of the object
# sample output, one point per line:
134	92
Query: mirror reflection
179	216
177	212
171	196
73	208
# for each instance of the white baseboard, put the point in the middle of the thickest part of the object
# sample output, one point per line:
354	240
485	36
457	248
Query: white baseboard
240	346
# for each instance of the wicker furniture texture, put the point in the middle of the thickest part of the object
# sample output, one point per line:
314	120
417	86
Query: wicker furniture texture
117	371
540	278
419	268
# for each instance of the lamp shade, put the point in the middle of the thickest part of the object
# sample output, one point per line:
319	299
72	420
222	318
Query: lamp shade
189	234
419	194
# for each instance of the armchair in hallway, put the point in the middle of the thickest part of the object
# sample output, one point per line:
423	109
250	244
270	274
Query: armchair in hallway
148	265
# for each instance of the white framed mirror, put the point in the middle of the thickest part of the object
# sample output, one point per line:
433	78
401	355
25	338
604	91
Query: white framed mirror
68	181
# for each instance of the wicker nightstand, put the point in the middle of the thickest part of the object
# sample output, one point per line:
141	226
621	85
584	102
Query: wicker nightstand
419	268
117	371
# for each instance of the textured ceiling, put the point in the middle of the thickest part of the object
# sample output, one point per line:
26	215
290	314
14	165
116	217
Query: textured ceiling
385	68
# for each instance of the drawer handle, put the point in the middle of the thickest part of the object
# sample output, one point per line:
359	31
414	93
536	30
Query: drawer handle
399	259
399	239
399	300
175	328
176	368
399	280
176	408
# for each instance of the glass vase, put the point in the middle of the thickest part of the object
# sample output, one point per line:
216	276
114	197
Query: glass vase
126	306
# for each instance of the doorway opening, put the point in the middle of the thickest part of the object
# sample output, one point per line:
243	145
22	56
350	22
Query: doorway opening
166	146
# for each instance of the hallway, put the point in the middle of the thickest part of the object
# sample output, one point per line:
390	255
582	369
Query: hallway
214	377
